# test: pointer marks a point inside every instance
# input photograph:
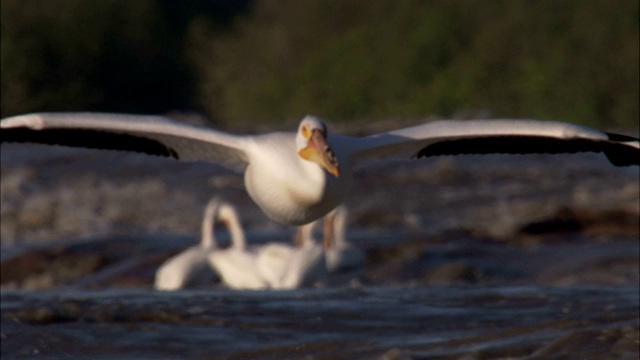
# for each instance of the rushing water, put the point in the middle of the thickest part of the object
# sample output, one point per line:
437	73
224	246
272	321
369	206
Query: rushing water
342	323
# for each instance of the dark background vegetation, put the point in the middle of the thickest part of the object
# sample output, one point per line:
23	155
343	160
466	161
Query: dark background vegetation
266	61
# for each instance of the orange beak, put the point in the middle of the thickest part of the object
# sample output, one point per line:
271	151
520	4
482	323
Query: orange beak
319	152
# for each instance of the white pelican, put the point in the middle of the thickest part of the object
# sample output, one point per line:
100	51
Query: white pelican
191	267
236	264
273	259
296	178
340	255
289	267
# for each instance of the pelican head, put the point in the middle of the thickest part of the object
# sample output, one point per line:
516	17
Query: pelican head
229	217
311	141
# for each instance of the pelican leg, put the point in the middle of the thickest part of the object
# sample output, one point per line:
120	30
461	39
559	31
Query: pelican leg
297	239
328	239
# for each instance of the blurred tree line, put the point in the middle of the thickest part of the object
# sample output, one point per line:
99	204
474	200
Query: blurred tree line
273	60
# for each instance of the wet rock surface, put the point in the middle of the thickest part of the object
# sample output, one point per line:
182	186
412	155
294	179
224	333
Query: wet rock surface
446	322
466	258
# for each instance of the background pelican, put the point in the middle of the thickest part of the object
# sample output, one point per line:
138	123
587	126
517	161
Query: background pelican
287	266
306	264
236	264
191	267
273	259
340	255
296	178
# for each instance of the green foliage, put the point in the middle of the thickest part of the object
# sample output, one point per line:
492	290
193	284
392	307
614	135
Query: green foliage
106	55
570	60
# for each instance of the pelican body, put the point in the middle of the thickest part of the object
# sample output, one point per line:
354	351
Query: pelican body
236	264
191	267
273	180
296	178
286	266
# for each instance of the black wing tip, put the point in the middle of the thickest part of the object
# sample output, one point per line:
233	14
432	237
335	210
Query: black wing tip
617	160
90	139
621	154
621	138
621	150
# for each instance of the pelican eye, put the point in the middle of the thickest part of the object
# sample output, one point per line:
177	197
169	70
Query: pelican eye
306	133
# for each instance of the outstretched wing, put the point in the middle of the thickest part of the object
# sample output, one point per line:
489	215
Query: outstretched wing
154	135
451	137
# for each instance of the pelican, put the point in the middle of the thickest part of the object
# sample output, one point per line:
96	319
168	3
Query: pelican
296	178
236	264
289	267
273	259
286	266
191	267
340	255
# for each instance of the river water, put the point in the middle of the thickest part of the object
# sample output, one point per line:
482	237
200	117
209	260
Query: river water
441	322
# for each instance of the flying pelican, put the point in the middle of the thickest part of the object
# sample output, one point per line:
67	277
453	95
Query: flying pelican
340	255
296	178
236	264
191	267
